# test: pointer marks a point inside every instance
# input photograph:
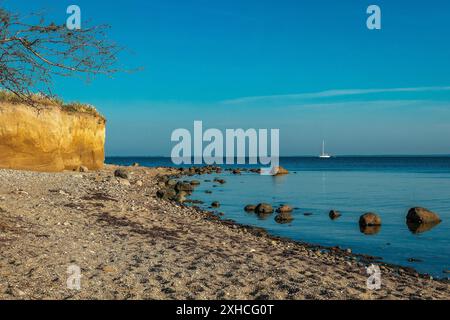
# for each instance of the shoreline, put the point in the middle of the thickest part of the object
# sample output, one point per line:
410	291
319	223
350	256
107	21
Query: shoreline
132	245
262	232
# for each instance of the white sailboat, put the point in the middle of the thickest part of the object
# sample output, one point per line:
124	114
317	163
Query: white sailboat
324	155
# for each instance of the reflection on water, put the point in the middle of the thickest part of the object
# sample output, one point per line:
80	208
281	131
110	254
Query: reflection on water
369	230
279	180
263	215
417	228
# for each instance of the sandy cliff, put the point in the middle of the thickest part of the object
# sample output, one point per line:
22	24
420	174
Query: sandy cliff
50	139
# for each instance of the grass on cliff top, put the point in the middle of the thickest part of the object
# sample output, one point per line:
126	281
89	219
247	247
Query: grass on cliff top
40	100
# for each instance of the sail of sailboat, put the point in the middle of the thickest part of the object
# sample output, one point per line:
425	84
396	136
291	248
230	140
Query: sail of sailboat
324	155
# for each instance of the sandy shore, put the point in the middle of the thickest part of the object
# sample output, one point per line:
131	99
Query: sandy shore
130	244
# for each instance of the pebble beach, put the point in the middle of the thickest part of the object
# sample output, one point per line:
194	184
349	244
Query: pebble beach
130	242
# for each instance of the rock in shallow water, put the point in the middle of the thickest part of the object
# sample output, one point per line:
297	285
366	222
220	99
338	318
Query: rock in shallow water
180	197
414	260
422	216
370	219
250	208
281	171
184	186
284	217
263	208
215	204
284	208
221	181
334	214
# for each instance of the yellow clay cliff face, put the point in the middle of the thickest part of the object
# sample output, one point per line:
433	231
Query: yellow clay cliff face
50	139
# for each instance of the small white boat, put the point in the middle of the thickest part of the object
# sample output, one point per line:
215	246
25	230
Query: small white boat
324	155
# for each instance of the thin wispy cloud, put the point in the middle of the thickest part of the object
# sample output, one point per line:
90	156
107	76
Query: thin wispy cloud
330	94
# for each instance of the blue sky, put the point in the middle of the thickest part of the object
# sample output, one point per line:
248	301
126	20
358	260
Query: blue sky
310	68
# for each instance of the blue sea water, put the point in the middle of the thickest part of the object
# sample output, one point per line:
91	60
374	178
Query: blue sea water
388	186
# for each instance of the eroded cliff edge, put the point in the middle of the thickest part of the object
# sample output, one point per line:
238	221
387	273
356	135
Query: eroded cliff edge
50	138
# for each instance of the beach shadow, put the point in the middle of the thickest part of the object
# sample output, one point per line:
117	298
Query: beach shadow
417	228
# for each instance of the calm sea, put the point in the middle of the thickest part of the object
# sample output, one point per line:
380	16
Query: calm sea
388	186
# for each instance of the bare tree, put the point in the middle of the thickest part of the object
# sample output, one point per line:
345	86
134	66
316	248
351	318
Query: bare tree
33	51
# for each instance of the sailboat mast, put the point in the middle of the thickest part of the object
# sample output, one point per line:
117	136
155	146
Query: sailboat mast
324	155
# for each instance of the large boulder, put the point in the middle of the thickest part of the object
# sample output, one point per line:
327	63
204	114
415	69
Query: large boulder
263	208
370	219
420	215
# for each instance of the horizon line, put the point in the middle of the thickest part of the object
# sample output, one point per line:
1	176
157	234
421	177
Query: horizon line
306	156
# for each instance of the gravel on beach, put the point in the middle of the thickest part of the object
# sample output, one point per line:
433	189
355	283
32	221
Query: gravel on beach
129	244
